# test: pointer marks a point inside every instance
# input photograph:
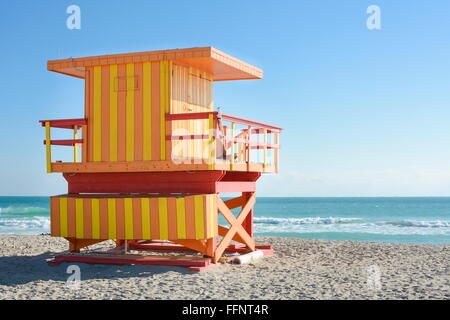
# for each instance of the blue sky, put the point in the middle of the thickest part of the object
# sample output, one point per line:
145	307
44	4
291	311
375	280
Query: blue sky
365	112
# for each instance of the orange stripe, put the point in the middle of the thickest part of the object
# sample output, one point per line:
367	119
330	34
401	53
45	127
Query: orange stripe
138	113
186	143
176	106
71	221
154	218
120	218
176	94
190	218
156	134
54	213
103	218
87	217
121	112
105	113
215	216
172	217
89	78
137	218
201	123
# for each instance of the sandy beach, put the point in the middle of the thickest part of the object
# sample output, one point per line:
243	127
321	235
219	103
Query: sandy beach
300	269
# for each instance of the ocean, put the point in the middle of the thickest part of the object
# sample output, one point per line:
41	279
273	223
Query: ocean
396	219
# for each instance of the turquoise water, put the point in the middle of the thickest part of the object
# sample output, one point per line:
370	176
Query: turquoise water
24	215
407	220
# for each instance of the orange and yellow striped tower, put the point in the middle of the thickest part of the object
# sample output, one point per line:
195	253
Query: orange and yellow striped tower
155	156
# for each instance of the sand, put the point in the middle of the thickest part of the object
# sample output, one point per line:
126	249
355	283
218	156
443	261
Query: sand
300	269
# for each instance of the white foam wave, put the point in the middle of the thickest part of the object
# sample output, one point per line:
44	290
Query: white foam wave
25	225
22	210
421	224
301	221
350	225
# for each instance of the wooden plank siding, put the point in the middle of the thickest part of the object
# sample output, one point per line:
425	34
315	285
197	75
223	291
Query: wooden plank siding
125	107
192	91
134	218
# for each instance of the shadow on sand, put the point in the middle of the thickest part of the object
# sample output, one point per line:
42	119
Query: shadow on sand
17	270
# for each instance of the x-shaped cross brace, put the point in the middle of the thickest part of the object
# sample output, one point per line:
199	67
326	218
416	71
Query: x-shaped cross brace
236	229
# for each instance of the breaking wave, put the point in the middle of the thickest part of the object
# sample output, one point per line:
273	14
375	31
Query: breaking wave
25	225
11	210
351	225
300	221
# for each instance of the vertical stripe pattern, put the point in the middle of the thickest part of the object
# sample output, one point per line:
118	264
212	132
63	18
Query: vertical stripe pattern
126	108
191	91
147	218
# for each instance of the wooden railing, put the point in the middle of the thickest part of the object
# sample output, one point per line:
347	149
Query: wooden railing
222	142
75	125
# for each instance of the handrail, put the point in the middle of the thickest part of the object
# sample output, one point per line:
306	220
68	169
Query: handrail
251	123
218	132
65	123
225	117
255	143
67	142
73	124
222	143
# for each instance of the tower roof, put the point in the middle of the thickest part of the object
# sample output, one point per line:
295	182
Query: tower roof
221	65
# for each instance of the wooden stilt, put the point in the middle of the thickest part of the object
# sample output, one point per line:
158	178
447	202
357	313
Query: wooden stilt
236	230
248	221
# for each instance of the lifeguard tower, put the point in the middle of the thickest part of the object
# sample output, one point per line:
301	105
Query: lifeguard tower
155	158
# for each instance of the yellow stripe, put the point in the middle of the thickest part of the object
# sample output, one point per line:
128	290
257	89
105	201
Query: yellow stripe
211	98
180	124
48	147
112	113
64	231
168	77
95	204
199	98
162	107
79	219
211	215
191	122
212	146
75	146
112	218
97	113
145	207
197	123
181	218
233	126
147	109
128	204
199	217
130	113
163	219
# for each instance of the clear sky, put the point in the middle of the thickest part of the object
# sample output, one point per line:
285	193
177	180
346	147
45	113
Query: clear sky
365	112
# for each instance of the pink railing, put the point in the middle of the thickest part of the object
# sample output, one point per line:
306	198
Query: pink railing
232	140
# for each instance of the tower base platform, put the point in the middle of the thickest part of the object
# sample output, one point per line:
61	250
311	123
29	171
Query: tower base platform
140	253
